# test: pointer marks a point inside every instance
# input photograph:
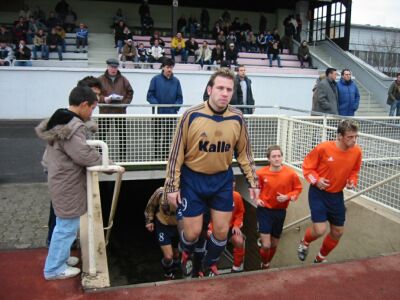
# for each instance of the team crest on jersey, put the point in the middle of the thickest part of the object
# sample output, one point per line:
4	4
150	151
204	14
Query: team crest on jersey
220	146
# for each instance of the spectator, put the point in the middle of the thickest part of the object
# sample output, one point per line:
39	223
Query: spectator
191	46
53	21
273	53
221	38
231	38
61	32
245	25
156	36
231	54
181	24
226	16
39	44
25	13
164	88
66	158
394	97
142	53
348	95
81	38
33	26
262	24
290	31
193	26
20	30
22	55
235	26
251	42
204	55
205	20
116	89
62	9
243	94
38	14
262	43
143	10
299	27
6	55
119	35
127	34
304	55
216	30
178	47
54	43
277	37
70	21
5	35
327	99
217	54
118	18
129	52
147	24
315	94
156	52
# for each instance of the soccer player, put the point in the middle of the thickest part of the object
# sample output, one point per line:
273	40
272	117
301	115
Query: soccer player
278	186
161	218
330	167
199	174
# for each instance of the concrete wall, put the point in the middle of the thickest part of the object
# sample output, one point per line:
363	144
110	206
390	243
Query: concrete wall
34	93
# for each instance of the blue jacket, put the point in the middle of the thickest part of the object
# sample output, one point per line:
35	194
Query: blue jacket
349	97
165	91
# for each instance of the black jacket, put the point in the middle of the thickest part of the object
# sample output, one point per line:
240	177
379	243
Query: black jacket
237	98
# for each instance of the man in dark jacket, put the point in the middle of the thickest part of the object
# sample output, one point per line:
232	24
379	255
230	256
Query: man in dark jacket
22	55
327	95
394	97
164	88
54	43
243	94
348	95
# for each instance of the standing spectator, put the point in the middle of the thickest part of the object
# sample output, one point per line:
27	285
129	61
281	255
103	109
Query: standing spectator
290	31
129	52
394	97
178	47
22	54
116	89
142	53
20	30
119	35
262	24
54	43
205	20
38	14
70	21
348	95
235	26
53	21
243	93
156	36
6	55
66	158
147	24
193	26
245	25
118	18
82	37
156	53
143	10
299	27
217	54
204	55
273	53
304	55
181	24
216	30
164	88
62	9
191	46
226	16
327	102
39	44
5	35
315	94
231	54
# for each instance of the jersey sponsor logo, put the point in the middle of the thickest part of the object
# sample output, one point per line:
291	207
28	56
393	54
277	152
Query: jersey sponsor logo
220	146
330	158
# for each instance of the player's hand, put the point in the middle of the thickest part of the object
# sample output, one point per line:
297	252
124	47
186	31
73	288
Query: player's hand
350	185
107	99
174	198
236	230
282	198
150	227
254	192
322	183
259	202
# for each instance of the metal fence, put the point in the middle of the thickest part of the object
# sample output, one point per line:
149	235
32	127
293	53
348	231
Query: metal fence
145	140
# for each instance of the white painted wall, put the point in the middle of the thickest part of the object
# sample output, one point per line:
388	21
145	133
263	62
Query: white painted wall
34	93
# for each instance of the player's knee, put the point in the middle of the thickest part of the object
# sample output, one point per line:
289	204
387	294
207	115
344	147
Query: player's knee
237	241
168	257
319	230
337	233
266	245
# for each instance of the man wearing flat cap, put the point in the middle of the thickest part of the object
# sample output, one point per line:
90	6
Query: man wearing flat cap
116	90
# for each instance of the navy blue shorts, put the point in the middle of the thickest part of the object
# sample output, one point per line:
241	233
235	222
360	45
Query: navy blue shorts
166	234
200	192
179	214
326	206
270	221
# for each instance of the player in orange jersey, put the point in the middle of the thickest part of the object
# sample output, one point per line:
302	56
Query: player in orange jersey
330	167
279	185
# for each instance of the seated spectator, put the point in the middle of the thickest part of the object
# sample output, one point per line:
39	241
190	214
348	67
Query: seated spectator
22	54
53	21
262	43
129	52
156	36
273	53
5	35
54	43
231	54
119	35
277	37
70	21
127	34
216	30
156	53
118	18
39	44
6	55
20	30
82	34
304	55
178	47
204	55
61	32
33	26
191	46
142	53
147	24
217	55
231	38
251	42
221	37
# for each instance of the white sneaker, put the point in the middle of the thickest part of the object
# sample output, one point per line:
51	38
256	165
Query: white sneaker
68	273
72	261
236	269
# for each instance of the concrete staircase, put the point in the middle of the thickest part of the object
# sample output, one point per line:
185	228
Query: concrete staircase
101	48
368	105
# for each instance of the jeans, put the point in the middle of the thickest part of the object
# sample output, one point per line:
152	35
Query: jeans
57	49
272	57
395	107
182	52
43	48
203	62
64	235
19	63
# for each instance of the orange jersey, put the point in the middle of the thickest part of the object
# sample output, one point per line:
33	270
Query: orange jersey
237	214
327	160
271	183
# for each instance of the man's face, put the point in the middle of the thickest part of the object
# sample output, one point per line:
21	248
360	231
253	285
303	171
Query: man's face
348	140
220	93
112	71
167	71
347	75
242	72
179	35
86	110
275	158
332	75
398	78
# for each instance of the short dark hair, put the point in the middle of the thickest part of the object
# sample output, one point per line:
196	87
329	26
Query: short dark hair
329	70
398	74
347	125
90	81
344	70
272	148
221	72
168	62
81	94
